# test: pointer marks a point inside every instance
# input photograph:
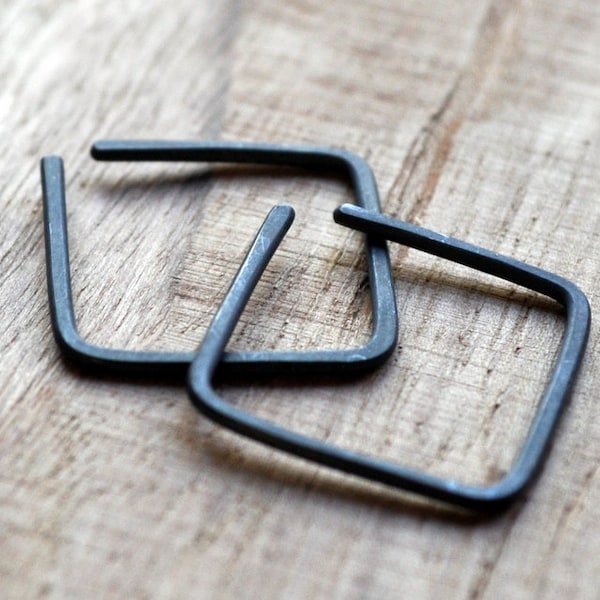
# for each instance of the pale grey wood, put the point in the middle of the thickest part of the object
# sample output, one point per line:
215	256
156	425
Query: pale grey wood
480	120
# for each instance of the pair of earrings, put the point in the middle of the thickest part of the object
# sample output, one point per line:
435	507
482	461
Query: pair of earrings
366	217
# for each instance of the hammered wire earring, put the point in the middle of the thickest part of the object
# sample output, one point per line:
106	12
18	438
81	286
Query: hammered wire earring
481	498
103	359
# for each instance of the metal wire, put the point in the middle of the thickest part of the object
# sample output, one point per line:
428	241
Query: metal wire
102	359
534	450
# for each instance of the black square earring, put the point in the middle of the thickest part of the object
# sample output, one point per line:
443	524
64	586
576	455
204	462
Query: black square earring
100	359
483	498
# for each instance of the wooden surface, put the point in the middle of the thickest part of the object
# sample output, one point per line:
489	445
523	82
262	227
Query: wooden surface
480	119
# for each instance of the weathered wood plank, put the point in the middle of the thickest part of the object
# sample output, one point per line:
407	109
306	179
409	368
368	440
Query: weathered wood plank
479	119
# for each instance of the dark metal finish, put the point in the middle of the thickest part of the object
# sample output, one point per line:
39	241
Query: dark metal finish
484	498
101	359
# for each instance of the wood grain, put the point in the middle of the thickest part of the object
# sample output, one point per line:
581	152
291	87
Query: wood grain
480	120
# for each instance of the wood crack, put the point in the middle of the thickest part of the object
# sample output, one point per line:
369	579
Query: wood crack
421	171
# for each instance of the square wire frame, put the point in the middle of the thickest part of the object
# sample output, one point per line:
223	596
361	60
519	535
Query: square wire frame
103	359
479	498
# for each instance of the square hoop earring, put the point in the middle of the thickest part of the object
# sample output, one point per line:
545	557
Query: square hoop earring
481	498
101	359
